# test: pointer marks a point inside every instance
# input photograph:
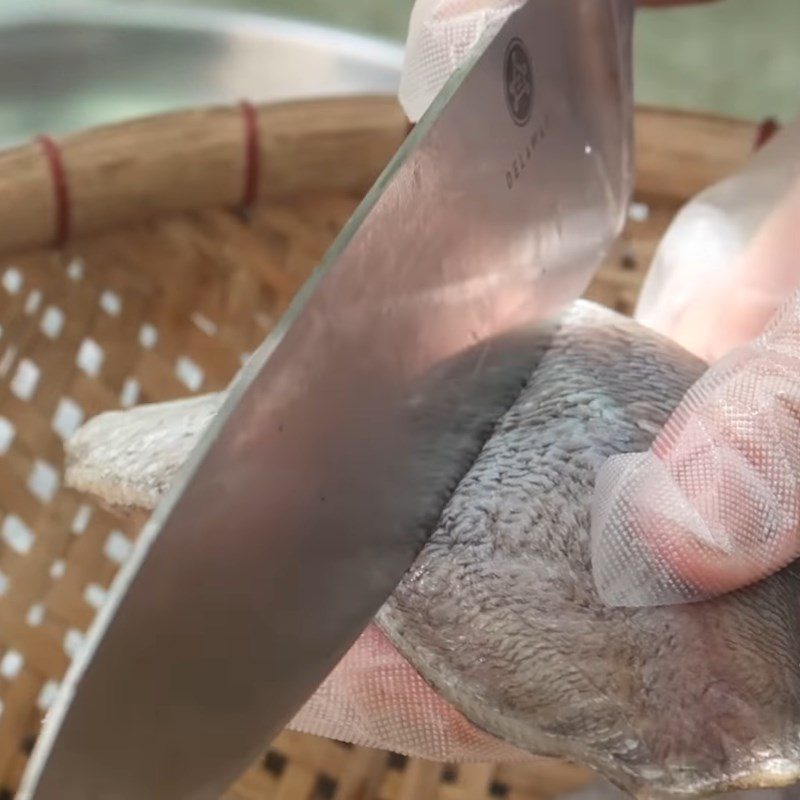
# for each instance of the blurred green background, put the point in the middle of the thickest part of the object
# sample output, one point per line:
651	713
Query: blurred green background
739	57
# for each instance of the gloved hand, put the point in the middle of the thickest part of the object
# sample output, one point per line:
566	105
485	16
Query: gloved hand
715	504
441	35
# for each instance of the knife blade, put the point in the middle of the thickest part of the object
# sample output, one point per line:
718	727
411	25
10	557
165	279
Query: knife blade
342	439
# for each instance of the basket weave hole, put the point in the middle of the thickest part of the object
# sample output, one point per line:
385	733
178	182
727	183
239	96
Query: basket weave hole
90	357
95	596
203	323
57	569
118	547
148	336
12	280
52	322
35	615
189	373
111	303
32	302
639	211
16	534
76	269
131	391
7	361
73	641
325	788
275	763
81	519
43	481
47	695
11	664
69	416
26	378
7	433
628	260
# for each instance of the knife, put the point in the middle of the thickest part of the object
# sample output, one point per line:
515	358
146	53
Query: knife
341	441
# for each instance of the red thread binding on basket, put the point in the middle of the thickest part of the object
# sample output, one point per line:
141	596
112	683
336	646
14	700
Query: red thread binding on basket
61	198
252	155
766	130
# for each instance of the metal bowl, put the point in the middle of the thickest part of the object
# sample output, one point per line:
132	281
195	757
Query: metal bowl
65	68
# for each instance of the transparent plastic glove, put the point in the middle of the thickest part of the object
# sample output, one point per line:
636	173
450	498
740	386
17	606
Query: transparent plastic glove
441	35
714	505
375	698
730	258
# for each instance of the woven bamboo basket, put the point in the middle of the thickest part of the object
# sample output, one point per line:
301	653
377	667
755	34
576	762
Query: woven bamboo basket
143	262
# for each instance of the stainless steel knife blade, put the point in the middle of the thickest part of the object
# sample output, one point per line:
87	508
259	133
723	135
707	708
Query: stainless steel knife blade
342	440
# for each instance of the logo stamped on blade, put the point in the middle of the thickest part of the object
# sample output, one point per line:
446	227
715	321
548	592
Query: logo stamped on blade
518	73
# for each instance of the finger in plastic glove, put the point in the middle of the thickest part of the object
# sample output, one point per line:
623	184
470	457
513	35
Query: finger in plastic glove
736	307
441	35
729	260
375	698
715	504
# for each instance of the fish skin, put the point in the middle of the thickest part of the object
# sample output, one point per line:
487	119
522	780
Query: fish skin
128	459
501	616
499	613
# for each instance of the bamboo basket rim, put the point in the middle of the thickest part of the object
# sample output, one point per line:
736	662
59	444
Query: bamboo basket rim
52	185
